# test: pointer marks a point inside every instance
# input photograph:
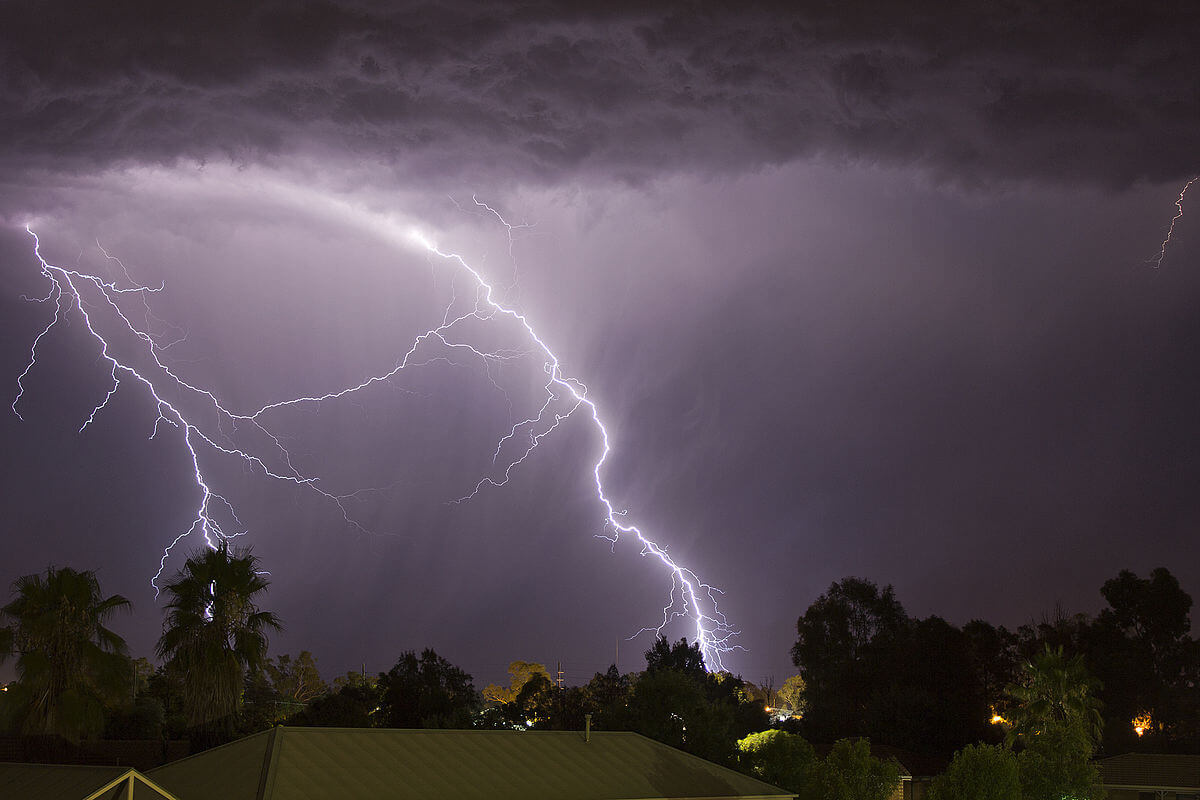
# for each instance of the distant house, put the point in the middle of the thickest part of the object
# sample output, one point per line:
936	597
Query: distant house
71	782
916	771
371	764
1145	776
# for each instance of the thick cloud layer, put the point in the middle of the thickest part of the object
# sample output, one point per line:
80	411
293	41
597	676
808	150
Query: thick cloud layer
1076	91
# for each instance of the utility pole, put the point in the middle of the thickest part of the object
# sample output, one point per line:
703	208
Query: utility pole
560	675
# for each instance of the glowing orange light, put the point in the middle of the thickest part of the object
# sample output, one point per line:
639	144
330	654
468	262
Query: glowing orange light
1142	723
997	719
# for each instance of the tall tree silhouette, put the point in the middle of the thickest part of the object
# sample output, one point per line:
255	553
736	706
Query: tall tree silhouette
214	633
1056	716
69	664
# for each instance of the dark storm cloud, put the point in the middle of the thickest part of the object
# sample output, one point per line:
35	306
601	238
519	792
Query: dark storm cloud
1082	91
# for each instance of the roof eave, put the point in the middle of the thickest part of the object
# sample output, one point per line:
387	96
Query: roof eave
1151	787
779	796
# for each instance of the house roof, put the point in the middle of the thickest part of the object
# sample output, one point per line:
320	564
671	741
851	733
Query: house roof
912	765
70	782
1151	771
54	780
352	763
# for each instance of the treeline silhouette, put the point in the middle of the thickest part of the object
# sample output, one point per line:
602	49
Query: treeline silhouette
866	669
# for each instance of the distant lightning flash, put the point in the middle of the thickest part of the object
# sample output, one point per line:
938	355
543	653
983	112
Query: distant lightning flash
74	291
1162	251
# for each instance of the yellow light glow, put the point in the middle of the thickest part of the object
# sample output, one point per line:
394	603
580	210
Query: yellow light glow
1142	723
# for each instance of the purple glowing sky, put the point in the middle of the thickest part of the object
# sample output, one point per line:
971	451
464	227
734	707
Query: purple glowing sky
857	294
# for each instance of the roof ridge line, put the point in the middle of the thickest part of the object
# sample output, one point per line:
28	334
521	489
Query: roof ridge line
190	756
701	759
265	784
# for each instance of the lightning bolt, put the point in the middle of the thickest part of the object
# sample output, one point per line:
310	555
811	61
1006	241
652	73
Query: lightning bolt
1162	250
215	517
689	596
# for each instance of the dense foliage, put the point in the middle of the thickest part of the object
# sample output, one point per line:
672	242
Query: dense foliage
70	666
979	772
850	772
1024	712
930	687
778	757
426	691
215	634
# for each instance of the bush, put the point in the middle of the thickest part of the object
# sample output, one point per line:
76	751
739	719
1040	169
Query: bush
850	772
783	759
979	772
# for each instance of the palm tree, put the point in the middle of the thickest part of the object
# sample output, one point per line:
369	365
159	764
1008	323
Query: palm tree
68	663
214	633
1056	715
1056	691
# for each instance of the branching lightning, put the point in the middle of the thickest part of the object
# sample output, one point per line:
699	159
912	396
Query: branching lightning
1162	251
689	597
216	519
74	292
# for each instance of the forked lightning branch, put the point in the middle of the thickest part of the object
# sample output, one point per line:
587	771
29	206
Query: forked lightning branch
106	308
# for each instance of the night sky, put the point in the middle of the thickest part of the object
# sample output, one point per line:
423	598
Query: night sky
859	289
